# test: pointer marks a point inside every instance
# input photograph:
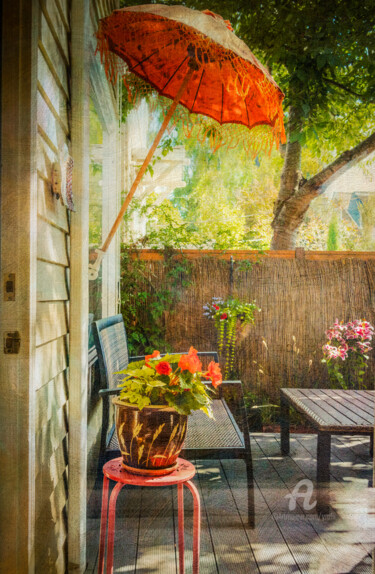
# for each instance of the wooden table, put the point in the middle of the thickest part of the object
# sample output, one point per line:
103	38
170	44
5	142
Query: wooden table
330	412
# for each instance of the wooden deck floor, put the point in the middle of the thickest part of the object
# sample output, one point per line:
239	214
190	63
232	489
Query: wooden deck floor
283	540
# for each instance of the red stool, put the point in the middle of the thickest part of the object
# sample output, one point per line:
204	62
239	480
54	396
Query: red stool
113	470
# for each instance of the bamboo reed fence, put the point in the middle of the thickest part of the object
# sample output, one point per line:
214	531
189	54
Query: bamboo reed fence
300	295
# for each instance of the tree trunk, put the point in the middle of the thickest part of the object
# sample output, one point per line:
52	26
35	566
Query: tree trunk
285	220
296	193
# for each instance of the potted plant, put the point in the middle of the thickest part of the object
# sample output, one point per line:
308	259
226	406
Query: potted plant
345	353
232	320
157	394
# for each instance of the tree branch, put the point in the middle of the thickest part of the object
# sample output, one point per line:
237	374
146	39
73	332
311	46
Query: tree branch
317	184
343	87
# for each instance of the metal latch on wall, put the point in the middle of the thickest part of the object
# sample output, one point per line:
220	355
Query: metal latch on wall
9	287
12	342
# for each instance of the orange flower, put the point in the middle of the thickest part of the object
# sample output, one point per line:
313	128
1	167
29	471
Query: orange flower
190	362
214	373
163	368
155	355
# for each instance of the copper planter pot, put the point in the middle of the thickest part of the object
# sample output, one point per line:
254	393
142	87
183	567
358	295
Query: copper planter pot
151	439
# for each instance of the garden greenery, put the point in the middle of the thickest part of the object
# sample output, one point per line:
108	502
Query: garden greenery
146	300
230	316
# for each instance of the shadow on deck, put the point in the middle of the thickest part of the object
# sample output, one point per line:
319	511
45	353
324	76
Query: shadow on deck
284	540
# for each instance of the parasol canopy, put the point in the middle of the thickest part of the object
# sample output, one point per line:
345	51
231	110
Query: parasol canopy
194	59
158	44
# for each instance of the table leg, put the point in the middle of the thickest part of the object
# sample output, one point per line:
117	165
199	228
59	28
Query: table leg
323	478
196	525
103	525
111	525
181	526
284	425
372	444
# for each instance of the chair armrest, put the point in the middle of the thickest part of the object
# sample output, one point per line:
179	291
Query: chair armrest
208	353
106	392
239	383
200	354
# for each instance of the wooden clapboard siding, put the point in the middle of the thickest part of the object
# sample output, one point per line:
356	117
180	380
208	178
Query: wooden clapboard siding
56	502
52	245
49	438
53	56
63	8
51	321
50	544
50	209
56	25
51	282
50	398
52	307
51	88
51	360
47	154
50	128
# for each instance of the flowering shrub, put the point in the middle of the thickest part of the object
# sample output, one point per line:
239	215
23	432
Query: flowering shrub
345	352
230	316
172	380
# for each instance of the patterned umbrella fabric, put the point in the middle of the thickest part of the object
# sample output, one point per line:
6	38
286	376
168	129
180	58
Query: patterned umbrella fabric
158	42
194	59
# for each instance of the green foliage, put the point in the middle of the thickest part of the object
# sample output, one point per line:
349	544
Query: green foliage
175	387
367	211
230	208
146	301
322	56
230	317
260	411
333	235
348	374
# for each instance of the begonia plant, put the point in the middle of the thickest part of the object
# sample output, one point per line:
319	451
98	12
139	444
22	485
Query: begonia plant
171	380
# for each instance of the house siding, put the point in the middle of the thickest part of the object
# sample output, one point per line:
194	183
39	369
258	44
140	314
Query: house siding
52	307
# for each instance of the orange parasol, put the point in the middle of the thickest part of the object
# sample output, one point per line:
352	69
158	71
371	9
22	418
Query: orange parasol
196	60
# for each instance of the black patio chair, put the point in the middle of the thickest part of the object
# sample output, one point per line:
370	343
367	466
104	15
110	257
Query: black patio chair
206	438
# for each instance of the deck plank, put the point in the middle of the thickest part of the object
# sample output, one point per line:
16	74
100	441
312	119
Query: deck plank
348	525
342	548
299	532
283	540
266	540
156	541
207	551
233	552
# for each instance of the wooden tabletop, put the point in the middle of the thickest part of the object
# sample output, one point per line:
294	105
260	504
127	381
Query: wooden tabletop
334	410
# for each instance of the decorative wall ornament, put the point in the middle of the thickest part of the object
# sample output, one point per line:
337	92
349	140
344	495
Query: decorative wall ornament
61	178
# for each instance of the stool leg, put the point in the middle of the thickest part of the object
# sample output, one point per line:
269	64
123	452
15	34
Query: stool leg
103	525
181	535
111	526
196	525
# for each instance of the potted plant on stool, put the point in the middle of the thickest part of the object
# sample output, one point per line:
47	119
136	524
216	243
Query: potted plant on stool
157	395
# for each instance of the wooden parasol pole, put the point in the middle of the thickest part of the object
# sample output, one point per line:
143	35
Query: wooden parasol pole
94	267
